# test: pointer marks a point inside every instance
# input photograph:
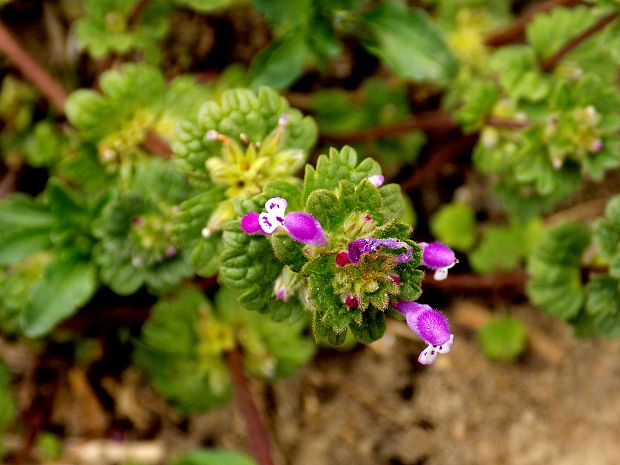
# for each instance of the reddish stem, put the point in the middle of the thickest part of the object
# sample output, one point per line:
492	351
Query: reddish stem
257	434
432	120
515	31
31	70
437	160
135	13
550	63
513	283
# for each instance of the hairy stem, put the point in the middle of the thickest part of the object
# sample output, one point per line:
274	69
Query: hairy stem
550	63
32	70
257	434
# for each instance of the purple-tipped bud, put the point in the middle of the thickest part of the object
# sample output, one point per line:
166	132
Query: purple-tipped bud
377	180
395	279
304	228
250	225
352	301
439	257
342	259
596	146
171	251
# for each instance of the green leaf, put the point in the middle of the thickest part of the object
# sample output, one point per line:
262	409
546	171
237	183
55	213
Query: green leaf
603	296
455	225
289	252
503	248
503	338
68	283
281	63
338	166
546	33
477	105
325	206
555	272
409	43
213	457
372	327
392	202
183	368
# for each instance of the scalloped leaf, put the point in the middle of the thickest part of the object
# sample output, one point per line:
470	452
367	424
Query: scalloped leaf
338	166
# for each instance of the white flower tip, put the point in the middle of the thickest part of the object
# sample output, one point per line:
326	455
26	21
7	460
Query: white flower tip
206	232
441	274
268	222
446	346
276	205
212	134
136	262
428	355
283	119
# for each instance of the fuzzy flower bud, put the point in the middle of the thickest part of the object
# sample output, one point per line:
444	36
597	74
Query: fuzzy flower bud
301	226
250	225
430	325
304	228
439	257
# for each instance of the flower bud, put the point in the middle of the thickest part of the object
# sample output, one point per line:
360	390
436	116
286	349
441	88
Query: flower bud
430	325
250	225
377	180
351	301
439	257
342	259
304	228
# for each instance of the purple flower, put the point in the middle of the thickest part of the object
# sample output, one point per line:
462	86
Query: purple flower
439	257
304	228
365	245
250	224
430	325
301	226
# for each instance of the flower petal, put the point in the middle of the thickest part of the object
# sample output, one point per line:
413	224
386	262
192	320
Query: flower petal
304	228
428	355
268	222
276	206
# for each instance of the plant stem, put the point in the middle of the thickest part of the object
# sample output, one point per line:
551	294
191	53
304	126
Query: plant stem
257	434
515	31
135	13
432	120
509	283
31	70
506	123
437	160
550	63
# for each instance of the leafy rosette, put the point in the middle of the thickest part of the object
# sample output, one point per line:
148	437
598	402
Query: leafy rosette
558	283
135	230
106	28
134	111
184	344
234	149
340	251
46	269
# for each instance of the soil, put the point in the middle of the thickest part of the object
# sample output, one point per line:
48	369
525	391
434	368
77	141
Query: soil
377	406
